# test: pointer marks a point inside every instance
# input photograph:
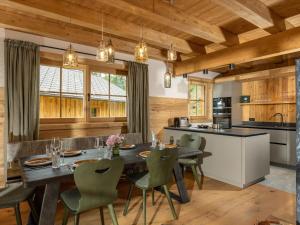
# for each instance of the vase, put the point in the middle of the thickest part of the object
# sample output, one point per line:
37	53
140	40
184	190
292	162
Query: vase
116	150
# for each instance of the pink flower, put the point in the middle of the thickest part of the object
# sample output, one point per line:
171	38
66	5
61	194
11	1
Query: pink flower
115	139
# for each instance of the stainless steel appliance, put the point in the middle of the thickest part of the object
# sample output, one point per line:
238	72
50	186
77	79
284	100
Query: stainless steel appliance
184	122
222	112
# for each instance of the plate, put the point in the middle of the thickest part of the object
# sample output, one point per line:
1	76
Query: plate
71	153
127	146
78	162
41	161
170	146
144	154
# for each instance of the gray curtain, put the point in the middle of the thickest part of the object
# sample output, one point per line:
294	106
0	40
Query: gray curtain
22	63
138	99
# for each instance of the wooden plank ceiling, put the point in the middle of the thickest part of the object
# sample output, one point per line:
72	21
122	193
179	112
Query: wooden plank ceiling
199	29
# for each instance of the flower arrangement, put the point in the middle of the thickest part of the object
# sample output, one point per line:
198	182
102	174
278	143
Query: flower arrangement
114	140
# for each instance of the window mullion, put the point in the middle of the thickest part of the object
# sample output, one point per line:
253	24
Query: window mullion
60	94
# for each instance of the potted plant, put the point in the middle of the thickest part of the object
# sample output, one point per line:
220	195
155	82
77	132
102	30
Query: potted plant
114	141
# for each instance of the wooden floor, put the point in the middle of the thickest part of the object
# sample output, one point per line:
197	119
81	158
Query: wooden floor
216	204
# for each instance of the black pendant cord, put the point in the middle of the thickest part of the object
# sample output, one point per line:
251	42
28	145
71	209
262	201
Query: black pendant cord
82	53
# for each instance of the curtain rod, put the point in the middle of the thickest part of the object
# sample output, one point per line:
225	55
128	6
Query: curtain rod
83	53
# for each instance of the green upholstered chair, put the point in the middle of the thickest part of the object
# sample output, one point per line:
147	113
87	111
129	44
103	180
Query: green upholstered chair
160	165
96	184
13	195
195	142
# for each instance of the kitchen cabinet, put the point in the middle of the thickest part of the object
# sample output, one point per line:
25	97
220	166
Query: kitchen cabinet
282	146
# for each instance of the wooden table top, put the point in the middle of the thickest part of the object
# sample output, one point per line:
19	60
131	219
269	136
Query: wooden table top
35	176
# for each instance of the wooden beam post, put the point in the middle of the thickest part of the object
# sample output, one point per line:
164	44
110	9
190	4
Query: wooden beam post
266	47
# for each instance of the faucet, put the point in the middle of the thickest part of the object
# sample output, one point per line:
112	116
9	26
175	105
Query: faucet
281	116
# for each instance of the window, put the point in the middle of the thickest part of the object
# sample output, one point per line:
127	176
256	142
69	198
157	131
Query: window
200	98
108	95
197	99
61	92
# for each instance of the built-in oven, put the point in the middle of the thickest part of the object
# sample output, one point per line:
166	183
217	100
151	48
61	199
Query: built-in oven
223	121
222	112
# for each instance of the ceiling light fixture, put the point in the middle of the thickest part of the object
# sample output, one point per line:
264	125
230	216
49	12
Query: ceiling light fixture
168	77
172	54
141	50
110	52
102	53
70	58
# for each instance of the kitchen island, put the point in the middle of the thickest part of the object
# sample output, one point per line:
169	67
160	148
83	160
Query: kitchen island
239	156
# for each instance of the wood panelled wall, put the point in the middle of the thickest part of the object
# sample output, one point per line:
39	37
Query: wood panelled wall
270	96
64	130
162	110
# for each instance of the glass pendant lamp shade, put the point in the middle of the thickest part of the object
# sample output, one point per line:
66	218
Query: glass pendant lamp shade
102	54
172	54
70	58
141	52
110	52
167	79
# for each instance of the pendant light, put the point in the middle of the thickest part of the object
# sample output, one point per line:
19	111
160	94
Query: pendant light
110	52
172	54
102	54
141	51
70	58
168	77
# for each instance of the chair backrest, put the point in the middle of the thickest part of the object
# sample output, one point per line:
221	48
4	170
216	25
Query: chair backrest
160	165
133	138
193	141
97	182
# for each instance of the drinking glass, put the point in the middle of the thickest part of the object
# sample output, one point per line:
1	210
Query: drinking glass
62	151
55	152
107	154
99	146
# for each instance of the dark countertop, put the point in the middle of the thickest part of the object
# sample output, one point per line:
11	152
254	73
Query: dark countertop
266	127
236	132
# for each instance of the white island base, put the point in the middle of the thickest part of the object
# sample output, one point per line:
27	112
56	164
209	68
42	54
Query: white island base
237	160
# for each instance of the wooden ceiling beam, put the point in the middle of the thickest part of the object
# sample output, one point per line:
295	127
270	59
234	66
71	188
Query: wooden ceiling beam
85	17
266	47
255	12
46	27
178	20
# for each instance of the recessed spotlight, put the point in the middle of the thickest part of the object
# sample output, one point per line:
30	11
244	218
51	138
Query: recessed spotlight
231	66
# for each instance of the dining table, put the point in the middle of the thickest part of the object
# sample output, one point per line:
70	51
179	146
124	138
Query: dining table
52	178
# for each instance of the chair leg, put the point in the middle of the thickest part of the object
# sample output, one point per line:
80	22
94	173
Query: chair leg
113	214
76	219
102	216
145	205
152	196
196	176
33	211
170	202
18	214
66	216
128	199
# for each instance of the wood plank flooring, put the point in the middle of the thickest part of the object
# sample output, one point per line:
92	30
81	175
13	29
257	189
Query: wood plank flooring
216	204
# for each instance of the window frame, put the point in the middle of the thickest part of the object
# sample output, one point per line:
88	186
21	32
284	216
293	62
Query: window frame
104	119
208	87
87	70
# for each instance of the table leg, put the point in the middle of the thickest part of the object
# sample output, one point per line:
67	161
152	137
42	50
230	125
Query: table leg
183	194
48	211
